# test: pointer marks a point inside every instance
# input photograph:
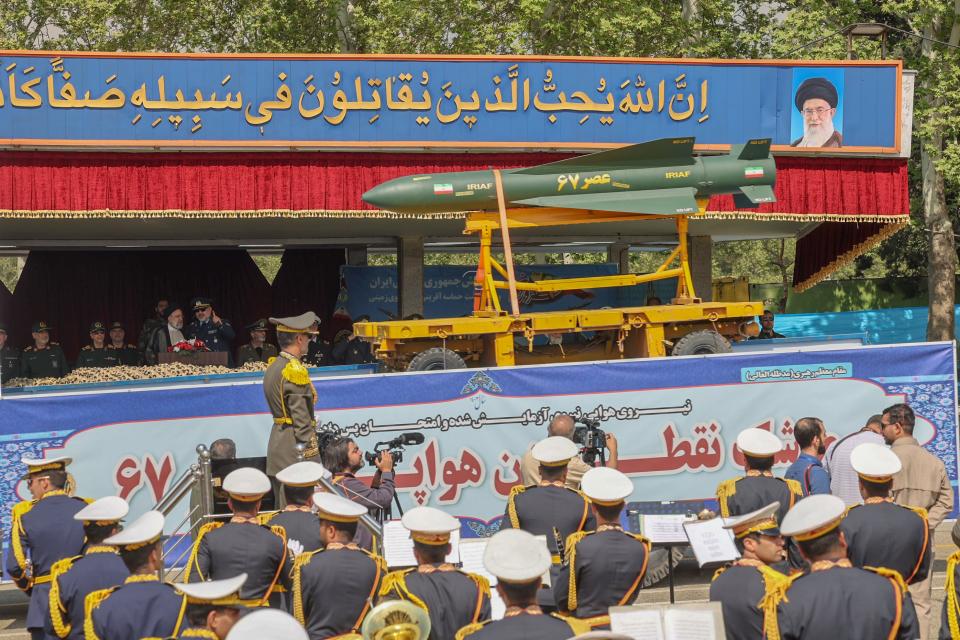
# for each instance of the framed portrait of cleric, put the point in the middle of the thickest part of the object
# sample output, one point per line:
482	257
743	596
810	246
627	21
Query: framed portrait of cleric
817	108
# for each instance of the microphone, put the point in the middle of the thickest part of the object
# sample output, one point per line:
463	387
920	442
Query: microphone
411	438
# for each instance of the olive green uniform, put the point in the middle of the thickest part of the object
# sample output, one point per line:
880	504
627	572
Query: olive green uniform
92	357
291	397
249	353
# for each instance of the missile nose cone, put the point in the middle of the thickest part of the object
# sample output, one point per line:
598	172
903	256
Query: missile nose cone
379	196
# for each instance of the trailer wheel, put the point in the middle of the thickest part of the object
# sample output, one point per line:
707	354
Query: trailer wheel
436	359
701	342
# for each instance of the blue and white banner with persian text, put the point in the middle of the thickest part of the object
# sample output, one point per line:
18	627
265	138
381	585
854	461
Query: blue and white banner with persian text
676	420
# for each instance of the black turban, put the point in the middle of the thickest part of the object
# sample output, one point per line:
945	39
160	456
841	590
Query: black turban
816	88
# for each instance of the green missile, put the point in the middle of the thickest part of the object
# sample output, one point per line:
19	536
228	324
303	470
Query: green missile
661	177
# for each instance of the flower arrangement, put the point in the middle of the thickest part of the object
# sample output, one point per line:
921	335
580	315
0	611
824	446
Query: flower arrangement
195	344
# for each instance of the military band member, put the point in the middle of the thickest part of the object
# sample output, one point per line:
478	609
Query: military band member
297	518
950	613
258	349
269	624
518	560
835	595
100	567
291	397
541	508
96	354
242	545
605	567
344	458
42	532
740	587
881	533
212	607
452	598
44	359
9	358
143	606
332	589
126	354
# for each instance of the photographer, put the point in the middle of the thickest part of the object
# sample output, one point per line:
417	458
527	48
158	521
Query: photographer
564	425
344	458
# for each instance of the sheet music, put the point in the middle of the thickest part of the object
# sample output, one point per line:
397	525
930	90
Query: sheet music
663	528
636	622
398	546
710	541
689	624
471	558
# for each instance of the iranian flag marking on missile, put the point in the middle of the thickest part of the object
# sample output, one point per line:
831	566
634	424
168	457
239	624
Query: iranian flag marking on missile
443	189
753	172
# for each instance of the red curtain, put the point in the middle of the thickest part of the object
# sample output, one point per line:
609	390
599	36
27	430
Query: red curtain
309	280
832	245
71	289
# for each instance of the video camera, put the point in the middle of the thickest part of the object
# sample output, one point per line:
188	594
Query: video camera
593	440
395	447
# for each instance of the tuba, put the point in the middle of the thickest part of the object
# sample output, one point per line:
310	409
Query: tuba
396	620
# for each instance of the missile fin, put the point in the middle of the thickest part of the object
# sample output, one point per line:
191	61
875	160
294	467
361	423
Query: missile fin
752	196
756	149
668	202
656	153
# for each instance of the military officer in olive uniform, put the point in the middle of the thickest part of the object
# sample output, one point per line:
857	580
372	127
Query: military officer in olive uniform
518	560
42	532
126	354
835	598
291	397
741	586
264	557
9	358
332	589
96	354
605	567
299	482
759	487
100	567
217	334
452	598
143	606
44	359
258	349
212	607
879	532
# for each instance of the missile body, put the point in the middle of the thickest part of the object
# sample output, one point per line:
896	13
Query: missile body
661	177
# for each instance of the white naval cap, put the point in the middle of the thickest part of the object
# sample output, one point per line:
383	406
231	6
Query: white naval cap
147	529
336	508
814	516
874	462
606	486
429	526
213	592
554	451
758	443
106	510
303	323
36	465
267	624
303	474
763	520
246	484
513	555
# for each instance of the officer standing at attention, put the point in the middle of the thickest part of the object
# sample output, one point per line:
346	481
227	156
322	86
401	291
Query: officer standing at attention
258	349
100	567
519	560
741	586
42	532
127	354
264	549
605	567
881	533
212	607
44	359
835	595
550	505
333	588
9	358
451	597
143	606
297	518
291	397
217	334
96	354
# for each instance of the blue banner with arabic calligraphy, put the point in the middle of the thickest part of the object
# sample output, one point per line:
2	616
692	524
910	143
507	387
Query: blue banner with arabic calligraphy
263	101
676	421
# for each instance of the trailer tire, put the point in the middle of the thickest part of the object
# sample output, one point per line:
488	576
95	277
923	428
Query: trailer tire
436	359
699	343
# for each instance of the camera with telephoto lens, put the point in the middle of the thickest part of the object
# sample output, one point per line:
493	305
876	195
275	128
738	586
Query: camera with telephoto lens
592	439
395	447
